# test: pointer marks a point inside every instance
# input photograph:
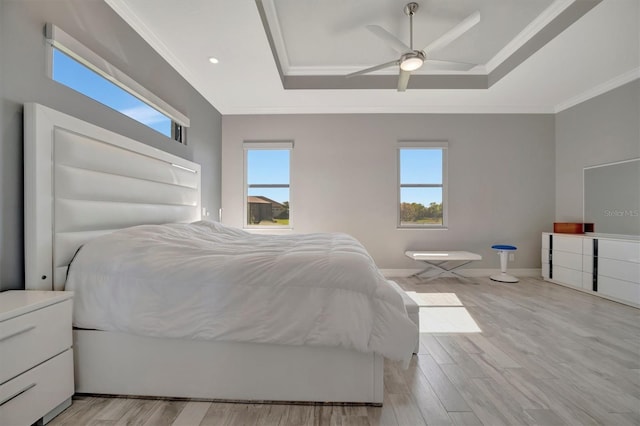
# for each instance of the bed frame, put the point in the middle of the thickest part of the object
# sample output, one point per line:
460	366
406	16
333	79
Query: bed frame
82	181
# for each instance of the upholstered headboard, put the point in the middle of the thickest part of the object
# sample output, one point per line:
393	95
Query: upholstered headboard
82	181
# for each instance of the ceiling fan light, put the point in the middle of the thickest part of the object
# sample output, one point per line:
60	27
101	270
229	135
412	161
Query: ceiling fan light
411	63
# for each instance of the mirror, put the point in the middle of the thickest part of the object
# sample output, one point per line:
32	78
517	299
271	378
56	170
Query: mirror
612	197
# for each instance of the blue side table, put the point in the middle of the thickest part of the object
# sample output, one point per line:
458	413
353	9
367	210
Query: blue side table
503	251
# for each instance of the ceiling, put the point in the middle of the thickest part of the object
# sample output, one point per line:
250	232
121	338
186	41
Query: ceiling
291	56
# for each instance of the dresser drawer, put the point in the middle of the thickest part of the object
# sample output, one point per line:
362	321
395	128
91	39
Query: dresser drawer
39	390
628	251
545	271
618	269
567	260
568	244
567	276
544	256
619	289
29	339
545	241
587	281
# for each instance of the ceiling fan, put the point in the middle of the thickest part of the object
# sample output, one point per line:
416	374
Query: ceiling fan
412	59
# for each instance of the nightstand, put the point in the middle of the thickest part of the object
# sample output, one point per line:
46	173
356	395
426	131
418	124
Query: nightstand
36	359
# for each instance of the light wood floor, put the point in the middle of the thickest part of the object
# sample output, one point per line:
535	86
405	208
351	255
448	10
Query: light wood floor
546	355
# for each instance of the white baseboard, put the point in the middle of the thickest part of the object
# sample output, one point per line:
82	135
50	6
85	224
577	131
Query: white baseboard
470	272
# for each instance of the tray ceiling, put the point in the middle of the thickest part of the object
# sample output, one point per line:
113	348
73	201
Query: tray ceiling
317	43
291	56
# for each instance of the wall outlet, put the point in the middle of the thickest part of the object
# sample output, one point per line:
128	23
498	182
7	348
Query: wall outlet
512	256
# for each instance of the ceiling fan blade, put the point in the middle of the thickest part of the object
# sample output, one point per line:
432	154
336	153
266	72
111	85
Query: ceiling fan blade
403	80
455	32
389	38
436	64
372	69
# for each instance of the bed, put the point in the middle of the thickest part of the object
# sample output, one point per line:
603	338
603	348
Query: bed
83	182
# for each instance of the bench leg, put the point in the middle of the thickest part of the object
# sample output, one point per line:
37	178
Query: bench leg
442	269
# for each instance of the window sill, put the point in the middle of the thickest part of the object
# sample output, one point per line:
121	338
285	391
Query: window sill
422	228
269	231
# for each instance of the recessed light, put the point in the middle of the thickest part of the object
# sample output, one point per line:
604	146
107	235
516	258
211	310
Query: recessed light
213	60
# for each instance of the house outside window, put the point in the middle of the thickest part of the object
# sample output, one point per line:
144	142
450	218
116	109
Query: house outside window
422	177
267	185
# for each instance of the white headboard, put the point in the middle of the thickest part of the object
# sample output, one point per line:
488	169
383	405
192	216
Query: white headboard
82	181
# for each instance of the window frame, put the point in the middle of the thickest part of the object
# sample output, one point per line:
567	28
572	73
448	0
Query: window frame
59	40
264	146
417	145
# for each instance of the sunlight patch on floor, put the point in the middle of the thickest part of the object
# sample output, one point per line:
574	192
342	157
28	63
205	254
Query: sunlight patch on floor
447	320
434	299
443	313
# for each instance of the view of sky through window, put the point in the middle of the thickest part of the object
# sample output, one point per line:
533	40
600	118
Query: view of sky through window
421	187
421	166
84	80
268	187
268	166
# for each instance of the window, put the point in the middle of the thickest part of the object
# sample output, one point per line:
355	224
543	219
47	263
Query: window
423	188
267	184
77	67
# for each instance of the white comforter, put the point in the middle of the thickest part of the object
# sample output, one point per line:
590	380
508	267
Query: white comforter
213	282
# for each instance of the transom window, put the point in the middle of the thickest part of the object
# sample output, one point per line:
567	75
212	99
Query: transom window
77	67
267	184
422	191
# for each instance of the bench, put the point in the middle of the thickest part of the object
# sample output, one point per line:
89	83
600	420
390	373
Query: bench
446	262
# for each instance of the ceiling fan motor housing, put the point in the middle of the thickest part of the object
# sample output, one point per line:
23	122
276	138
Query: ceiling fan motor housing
411	8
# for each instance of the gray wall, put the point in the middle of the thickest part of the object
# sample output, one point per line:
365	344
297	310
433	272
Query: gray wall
24	79
601	130
344	178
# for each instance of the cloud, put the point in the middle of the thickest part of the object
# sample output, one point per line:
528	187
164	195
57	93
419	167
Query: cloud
145	114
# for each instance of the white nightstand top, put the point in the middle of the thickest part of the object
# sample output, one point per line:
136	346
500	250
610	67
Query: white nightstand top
18	302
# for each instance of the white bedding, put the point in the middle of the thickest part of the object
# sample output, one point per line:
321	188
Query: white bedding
212	282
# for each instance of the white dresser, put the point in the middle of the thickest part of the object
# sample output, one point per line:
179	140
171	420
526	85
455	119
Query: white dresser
601	265
36	359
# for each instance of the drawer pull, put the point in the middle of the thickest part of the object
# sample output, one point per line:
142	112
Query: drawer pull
17	394
24	330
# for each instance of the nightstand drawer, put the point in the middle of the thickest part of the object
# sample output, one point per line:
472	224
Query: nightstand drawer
29	339
39	390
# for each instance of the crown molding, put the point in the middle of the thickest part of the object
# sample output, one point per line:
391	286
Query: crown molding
546	17
344	70
379	109
607	86
130	17
274	26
